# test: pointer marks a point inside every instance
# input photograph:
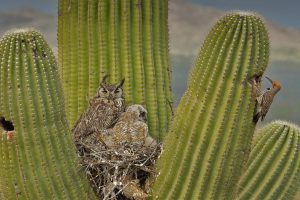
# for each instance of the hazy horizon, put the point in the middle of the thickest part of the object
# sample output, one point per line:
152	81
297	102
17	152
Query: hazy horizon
281	12
285	13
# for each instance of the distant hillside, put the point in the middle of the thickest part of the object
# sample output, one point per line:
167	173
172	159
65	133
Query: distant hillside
189	24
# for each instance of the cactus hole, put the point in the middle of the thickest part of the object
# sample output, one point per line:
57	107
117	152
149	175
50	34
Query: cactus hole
257	78
6	124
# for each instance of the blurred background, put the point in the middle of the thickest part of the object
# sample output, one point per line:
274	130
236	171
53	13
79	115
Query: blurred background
190	21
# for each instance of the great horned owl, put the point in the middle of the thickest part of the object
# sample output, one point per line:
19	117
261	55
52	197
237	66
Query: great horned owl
130	128
103	111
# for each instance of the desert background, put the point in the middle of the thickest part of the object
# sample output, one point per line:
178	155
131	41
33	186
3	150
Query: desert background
189	22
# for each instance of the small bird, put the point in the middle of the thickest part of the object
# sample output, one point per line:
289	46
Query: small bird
264	99
8	127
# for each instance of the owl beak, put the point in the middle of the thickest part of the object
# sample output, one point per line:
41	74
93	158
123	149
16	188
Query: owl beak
110	96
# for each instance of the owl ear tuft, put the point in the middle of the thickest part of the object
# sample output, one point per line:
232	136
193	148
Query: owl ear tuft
104	79
121	83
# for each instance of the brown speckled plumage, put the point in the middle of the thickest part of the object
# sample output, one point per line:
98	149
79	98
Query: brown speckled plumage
131	128
102	113
264	99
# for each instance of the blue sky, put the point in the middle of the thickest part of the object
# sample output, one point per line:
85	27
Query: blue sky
285	12
49	6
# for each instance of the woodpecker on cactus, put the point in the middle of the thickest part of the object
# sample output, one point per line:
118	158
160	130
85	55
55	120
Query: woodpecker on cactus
264	99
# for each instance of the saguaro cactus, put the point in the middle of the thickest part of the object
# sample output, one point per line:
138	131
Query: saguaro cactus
209	140
273	168
120	38
210	137
39	162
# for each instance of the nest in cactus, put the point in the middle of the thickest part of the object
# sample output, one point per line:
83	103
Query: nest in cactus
116	152
120	171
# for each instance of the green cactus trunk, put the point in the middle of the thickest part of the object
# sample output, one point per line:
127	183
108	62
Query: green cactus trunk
210	137
39	162
273	169
123	39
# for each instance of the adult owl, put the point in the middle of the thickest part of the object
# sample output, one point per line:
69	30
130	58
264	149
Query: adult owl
102	113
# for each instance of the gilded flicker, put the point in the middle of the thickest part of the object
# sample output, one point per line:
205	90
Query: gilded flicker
264	99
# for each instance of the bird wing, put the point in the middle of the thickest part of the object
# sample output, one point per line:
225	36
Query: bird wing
260	95
258	91
267	100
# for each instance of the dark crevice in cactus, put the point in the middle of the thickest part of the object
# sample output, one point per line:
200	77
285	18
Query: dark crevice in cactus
6	124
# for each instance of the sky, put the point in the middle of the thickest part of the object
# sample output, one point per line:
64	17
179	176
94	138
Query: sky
285	12
48	6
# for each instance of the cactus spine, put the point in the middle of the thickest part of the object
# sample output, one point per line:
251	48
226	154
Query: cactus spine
212	130
40	161
273	169
120	38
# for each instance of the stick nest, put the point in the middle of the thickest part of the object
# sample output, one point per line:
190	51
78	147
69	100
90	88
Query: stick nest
120	171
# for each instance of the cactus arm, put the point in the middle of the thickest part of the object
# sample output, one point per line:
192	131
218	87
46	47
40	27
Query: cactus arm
158	39
93	45
131	38
103	40
112	40
61	35
179	124
137	56
273	168
206	146
4	52
74	60
63	12
148	62
126	56
167	70
83	58
40	161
